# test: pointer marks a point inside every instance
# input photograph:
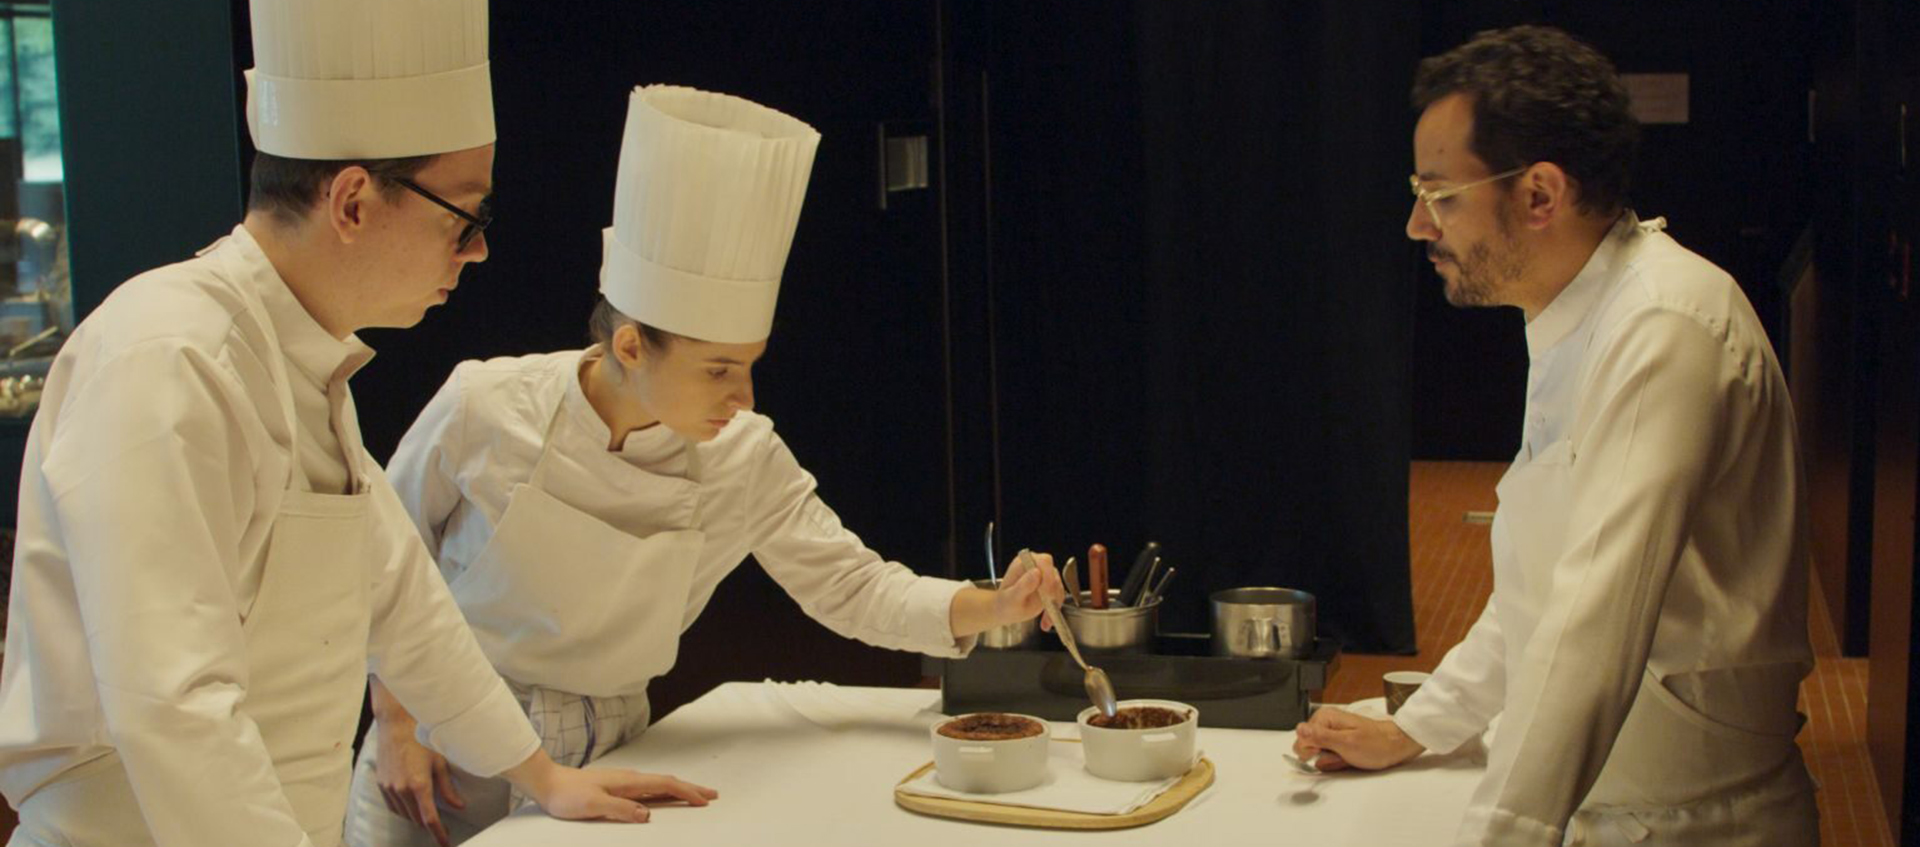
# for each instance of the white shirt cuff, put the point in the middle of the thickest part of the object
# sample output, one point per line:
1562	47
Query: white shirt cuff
1436	723
930	618
1484	827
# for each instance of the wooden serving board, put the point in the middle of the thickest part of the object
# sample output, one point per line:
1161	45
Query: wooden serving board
1169	801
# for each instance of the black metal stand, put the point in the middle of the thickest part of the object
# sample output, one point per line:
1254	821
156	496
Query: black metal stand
1045	683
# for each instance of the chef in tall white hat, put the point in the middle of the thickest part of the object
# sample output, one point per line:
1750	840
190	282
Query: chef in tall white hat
208	561
585	504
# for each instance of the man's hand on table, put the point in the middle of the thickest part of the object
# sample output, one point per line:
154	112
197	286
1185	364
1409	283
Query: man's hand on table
600	793
1343	739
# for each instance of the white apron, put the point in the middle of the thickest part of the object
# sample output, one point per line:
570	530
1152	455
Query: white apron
1675	777
306	649
307	675
578	616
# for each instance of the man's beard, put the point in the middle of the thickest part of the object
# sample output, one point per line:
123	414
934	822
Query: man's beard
1484	272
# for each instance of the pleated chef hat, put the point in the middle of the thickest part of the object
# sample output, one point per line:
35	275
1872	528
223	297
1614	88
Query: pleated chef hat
369	79
704	209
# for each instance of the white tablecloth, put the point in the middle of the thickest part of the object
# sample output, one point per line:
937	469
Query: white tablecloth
811	763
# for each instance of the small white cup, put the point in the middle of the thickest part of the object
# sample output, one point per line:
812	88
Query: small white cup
1140	755
990	767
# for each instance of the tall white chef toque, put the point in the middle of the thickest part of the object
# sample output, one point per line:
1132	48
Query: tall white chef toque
369	79
707	198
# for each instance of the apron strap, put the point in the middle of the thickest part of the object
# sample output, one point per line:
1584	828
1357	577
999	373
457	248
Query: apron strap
537	479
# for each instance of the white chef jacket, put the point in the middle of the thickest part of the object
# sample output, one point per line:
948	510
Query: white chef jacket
1683	554
482	433
154	469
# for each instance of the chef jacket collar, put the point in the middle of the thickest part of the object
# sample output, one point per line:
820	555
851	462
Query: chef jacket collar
651	447
314	352
1570	307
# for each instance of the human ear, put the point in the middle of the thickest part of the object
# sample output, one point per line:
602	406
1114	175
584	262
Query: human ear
1546	193
345	202
628	348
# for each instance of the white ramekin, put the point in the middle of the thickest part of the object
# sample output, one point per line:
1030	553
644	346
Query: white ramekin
991	767
1140	755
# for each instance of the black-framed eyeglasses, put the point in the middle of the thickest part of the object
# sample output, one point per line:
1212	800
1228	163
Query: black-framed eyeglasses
476	223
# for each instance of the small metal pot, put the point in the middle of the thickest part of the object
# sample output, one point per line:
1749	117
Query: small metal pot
1263	623
1012	636
1115	629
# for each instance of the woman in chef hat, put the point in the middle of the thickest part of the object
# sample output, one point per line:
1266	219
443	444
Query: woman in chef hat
584	504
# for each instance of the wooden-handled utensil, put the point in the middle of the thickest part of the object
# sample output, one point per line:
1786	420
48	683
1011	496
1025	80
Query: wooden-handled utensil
1097	574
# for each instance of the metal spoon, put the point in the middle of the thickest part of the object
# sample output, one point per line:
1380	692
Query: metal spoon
992	559
1099	688
1146	583
1155	592
1071	578
1310	767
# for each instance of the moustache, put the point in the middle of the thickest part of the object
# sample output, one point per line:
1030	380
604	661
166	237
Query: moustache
1437	254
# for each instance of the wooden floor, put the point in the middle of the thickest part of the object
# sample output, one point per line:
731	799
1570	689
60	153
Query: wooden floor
1453	575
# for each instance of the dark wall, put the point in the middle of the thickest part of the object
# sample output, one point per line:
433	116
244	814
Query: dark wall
1199	293
1891	231
1834	322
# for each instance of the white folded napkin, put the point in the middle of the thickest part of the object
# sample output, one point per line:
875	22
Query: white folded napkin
833	707
1068	787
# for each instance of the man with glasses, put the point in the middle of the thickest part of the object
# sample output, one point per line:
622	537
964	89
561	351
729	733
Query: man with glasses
1646	637
209	563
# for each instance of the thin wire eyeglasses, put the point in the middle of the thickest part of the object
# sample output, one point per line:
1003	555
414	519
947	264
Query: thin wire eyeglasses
476	223
1429	197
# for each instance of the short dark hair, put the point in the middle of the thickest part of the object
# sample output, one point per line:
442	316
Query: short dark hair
606	320
286	188
1540	95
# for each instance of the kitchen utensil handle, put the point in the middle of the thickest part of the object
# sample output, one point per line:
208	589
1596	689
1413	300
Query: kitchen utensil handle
1097	574
993	560
1155	592
1066	635
1262	636
1146	585
1136	583
1053	614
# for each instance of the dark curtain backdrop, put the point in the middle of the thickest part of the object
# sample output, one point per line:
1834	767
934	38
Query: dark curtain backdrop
1202	296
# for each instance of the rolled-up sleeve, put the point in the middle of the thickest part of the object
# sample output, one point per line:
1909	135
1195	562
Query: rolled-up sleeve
836	578
1645	452
423	651
149	473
